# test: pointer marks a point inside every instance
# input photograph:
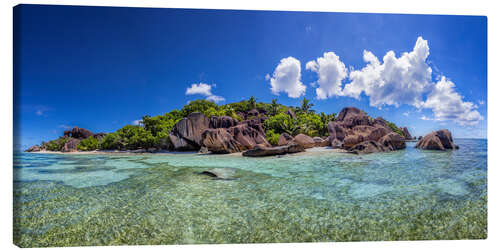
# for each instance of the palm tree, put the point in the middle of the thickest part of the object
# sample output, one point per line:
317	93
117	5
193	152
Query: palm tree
252	102
305	105
290	126
274	108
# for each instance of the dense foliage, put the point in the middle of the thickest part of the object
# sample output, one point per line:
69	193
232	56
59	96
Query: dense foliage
55	145
88	144
272	137
153	131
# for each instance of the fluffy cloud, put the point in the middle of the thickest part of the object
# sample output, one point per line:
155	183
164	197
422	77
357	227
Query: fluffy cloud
331	71
286	78
396	81
205	90
447	104
199	89
136	122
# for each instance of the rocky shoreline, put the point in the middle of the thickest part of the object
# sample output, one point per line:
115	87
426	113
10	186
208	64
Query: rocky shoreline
352	131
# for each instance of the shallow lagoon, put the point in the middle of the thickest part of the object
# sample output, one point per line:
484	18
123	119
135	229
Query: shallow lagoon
76	200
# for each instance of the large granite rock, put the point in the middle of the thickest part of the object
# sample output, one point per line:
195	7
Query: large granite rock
186	134
248	136
70	145
320	142
336	131
284	139
67	133
80	133
222	122
437	140
34	148
406	133
367	147
304	140
393	141
351	116
270	151
220	141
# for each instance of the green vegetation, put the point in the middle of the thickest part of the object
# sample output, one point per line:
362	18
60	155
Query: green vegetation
55	145
153	131
272	137
395	128
88	144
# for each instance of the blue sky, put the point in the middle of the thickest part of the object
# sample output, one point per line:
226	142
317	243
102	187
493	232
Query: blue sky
102	68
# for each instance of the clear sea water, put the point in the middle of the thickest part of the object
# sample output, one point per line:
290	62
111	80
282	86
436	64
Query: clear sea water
320	195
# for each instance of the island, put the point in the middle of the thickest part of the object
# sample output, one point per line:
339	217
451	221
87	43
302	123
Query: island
253	128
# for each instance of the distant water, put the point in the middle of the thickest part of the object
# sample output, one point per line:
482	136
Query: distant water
412	194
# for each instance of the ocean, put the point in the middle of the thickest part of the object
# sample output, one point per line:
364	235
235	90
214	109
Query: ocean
318	196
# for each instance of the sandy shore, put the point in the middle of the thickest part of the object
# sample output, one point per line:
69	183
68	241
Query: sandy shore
315	150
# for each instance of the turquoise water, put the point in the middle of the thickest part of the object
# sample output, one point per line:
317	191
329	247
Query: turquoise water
320	195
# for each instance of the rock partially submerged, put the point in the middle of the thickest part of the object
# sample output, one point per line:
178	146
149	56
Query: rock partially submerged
437	140
367	147
260	151
221	173
388	142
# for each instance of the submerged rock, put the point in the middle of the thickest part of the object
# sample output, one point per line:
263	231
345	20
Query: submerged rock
367	147
270	151
393	141
437	140
221	173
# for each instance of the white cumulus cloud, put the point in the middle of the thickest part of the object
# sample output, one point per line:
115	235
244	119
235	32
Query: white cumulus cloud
447	104
199	89
395	81
331	71
286	78
205	90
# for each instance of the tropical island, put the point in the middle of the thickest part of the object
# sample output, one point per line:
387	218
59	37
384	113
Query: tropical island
251	127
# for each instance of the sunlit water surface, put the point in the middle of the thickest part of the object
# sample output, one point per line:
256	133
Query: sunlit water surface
320	195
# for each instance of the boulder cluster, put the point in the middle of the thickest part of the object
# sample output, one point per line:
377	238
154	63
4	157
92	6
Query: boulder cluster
353	131
358	133
437	140
219	134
